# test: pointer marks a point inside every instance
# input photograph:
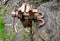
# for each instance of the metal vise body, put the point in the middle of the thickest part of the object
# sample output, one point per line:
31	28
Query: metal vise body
26	14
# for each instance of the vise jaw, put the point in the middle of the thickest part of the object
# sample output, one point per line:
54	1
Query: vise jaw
26	14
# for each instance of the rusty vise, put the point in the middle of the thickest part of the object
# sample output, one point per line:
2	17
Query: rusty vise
26	14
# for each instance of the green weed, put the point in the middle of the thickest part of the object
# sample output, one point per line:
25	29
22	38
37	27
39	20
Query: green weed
2	33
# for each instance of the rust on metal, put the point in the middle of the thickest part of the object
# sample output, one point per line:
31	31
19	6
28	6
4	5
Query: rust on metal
26	14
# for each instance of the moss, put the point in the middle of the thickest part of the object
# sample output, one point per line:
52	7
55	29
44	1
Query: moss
43	1
11	35
0	0
31	1
27	33
3	11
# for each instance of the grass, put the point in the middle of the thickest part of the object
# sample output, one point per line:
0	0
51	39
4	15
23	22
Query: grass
2	30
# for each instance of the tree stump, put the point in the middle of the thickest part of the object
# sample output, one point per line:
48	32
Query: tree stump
51	30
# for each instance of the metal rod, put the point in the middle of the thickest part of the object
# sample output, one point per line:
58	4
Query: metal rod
13	22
